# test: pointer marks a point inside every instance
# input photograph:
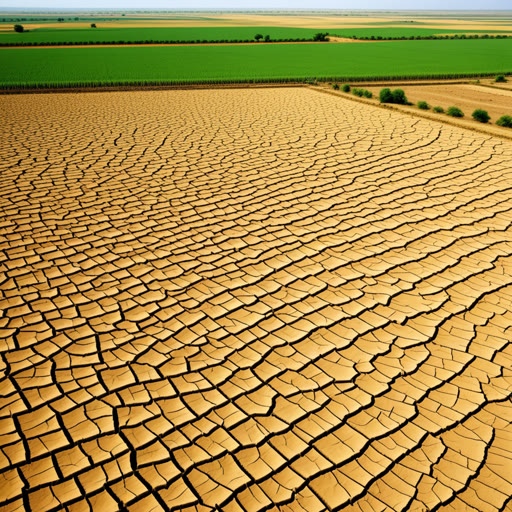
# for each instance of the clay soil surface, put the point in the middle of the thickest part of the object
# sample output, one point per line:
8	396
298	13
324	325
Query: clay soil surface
240	300
468	97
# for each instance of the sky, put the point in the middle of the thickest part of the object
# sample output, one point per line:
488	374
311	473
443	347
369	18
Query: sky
262	4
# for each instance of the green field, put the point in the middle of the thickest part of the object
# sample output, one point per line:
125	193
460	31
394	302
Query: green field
109	35
98	35
22	67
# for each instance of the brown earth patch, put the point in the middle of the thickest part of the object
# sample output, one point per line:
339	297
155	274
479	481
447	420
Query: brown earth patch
252	298
467	97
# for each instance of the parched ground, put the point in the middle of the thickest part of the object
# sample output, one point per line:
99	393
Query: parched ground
251	300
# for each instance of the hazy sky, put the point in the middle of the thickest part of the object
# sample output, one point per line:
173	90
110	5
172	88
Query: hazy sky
262	4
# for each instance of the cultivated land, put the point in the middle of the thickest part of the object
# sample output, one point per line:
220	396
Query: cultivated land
467	97
250	299
29	67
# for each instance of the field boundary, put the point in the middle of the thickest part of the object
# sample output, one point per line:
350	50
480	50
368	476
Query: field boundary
132	84
170	87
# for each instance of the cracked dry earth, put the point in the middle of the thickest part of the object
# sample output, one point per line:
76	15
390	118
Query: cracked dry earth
252	300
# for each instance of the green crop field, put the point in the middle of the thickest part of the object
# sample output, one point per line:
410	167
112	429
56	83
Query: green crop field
98	35
28	67
109	35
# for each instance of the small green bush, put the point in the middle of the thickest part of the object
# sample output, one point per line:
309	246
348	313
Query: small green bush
423	105
18	28
500	78
345	88
335	87
385	96
455	112
367	94
481	116
505	121
397	96
357	92
439	110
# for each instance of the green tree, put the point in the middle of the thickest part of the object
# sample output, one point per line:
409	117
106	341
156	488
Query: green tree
93	25
321	36
18	28
258	37
267	38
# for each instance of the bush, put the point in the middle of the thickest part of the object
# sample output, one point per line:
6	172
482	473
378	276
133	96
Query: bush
423	105
258	37
455	112
385	95
335	87
481	115
505	121
345	88
397	96
367	94
267	38
18	28
93	25
500	78
439	110
357	92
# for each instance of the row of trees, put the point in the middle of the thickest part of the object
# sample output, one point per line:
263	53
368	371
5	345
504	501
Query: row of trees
428	38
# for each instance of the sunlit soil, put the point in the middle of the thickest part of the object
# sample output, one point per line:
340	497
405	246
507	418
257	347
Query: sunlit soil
249	299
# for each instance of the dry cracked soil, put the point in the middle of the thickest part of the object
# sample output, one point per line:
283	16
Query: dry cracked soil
251	300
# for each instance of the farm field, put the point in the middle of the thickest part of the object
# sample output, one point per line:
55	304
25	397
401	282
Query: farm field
246	299
101	34
486	21
468	97
151	33
75	66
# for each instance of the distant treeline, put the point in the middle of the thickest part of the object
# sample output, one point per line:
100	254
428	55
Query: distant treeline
426	38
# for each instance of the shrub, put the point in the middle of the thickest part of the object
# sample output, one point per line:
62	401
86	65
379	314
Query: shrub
267	38
385	95
399	97
423	105
345	88
481	115
500	78
455	112
367	94
505	121
18	28
335	87
258	37
357	92
93	25
439	110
